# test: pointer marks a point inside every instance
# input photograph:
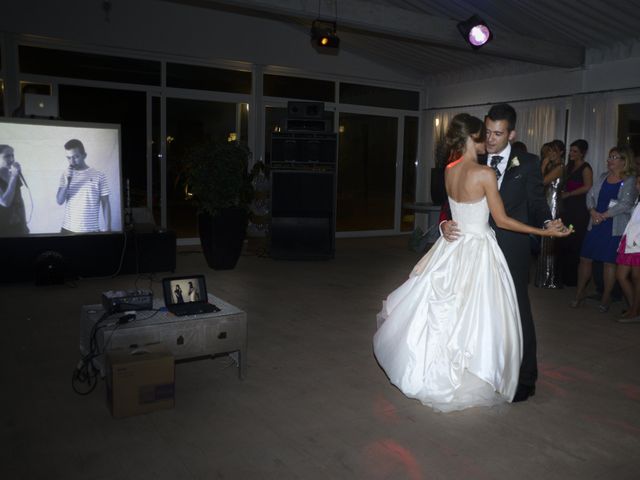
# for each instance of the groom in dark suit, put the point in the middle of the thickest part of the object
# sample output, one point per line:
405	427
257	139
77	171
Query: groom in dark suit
522	191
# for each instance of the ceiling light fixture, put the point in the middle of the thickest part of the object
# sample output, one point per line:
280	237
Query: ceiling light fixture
323	34
475	32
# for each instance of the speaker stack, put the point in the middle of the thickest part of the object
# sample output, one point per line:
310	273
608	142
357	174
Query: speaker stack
303	185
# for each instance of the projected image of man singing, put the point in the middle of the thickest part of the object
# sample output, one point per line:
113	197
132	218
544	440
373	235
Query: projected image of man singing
13	220
84	191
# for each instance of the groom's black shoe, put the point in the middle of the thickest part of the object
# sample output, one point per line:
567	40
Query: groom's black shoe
523	392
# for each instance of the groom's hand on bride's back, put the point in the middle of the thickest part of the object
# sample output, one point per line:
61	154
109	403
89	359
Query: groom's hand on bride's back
449	230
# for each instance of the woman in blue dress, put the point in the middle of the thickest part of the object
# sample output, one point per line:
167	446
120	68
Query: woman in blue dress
610	202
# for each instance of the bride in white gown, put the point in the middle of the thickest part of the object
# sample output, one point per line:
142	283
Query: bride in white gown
450	335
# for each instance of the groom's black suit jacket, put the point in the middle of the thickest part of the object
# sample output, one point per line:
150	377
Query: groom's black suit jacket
522	193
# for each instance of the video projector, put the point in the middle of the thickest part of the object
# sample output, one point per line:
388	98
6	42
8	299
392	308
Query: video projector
125	300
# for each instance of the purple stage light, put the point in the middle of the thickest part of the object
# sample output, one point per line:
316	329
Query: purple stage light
475	31
479	35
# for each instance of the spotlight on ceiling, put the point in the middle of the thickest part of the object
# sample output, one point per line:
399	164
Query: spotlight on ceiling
475	32
323	35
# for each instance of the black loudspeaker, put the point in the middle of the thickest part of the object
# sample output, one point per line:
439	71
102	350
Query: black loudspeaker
307	110
298	149
302	214
296	125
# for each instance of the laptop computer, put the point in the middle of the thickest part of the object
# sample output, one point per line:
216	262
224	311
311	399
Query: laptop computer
187	295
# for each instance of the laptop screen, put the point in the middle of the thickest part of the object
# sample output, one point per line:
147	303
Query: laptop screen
189	289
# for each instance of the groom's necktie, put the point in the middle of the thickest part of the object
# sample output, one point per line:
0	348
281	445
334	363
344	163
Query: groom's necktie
495	160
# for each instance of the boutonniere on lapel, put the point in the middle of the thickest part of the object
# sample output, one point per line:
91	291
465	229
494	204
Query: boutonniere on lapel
514	163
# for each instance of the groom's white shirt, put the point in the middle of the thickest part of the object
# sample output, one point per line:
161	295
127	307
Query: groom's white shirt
502	166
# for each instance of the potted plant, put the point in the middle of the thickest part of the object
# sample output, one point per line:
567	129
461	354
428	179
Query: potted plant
217	180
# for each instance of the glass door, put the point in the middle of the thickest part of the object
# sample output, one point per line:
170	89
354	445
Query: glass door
367	150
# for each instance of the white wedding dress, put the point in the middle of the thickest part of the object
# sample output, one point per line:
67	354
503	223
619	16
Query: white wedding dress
450	336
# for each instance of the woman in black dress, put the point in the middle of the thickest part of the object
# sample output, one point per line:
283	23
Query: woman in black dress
578	181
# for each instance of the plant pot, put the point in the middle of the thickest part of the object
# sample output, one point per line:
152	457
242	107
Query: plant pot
438	189
222	237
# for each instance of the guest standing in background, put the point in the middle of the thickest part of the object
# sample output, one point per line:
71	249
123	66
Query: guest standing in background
519	147
577	182
628	264
552	154
610	202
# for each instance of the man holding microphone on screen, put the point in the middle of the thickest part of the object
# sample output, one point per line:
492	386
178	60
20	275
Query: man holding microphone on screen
13	220
83	190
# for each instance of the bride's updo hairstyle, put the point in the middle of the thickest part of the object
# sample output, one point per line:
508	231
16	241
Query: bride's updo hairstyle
462	126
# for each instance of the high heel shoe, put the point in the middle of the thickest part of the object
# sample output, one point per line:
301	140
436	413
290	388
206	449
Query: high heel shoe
576	303
603	308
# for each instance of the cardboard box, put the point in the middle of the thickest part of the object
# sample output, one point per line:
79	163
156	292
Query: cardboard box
140	380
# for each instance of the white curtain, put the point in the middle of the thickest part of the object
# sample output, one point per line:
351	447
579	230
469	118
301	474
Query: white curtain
600	129
539	122
596	121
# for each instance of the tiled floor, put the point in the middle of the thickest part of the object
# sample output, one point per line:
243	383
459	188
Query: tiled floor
314	405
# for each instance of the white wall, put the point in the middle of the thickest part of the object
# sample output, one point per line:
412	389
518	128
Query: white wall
506	88
605	76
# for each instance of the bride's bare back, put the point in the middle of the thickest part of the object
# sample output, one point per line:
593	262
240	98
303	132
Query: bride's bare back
463	180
